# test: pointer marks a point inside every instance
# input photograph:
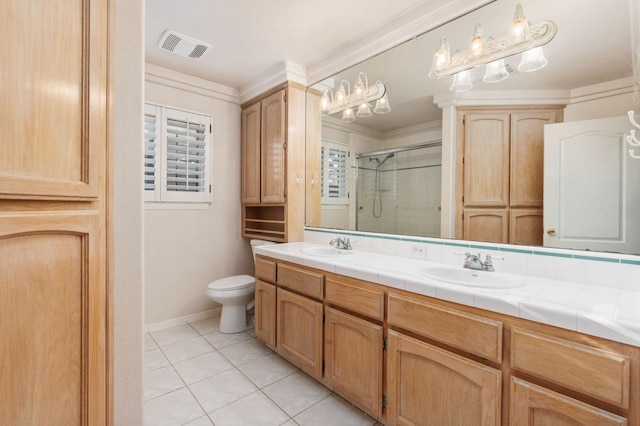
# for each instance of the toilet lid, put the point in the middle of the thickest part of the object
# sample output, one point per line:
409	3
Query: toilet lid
232	283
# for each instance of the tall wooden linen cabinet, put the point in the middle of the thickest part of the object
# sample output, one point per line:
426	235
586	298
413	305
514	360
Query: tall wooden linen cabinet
499	173
273	165
54	213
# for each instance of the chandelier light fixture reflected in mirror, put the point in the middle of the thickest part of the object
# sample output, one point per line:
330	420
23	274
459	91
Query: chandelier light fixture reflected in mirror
356	103
522	38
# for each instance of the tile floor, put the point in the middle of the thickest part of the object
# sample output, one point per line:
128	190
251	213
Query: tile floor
197	376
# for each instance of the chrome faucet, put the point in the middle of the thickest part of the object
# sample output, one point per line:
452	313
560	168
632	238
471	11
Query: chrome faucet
341	243
473	261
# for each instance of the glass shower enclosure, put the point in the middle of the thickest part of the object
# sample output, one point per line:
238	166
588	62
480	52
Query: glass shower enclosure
398	190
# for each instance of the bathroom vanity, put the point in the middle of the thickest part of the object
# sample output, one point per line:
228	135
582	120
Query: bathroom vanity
408	357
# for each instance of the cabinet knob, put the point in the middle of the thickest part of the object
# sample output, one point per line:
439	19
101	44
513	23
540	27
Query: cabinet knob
551	231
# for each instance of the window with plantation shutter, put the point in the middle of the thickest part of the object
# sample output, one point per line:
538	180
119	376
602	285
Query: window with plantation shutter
177	155
334	186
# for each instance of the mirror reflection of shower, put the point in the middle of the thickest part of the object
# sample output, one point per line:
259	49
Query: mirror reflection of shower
398	190
377	192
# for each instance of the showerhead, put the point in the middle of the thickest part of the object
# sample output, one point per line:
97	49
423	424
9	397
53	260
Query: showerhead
380	163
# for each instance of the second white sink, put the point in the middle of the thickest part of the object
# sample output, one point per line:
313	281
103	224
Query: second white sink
472	278
326	252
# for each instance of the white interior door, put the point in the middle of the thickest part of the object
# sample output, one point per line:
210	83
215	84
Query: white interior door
591	187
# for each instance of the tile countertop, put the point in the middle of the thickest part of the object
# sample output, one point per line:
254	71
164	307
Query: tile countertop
598	311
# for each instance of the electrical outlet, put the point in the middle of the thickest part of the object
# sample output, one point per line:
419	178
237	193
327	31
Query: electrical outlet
419	251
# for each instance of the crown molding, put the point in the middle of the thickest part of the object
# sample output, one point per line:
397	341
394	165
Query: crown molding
621	86
271	77
189	83
419	20
503	98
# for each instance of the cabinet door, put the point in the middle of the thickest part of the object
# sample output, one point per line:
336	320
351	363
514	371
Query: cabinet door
427	385
353	358
299	331
251	154
273	161
527	157
525	227
265	312
533	405
490	225
486	160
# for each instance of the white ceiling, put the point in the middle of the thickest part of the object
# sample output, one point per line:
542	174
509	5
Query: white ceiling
250	36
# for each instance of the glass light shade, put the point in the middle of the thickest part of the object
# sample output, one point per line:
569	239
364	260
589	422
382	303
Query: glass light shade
347	116
358	89
532	60
441	59
325	103
341	95
519	27
495	72
477	44
461	82
382	105
364	110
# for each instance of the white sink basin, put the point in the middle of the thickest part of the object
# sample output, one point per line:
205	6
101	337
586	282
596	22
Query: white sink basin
326	252
472	278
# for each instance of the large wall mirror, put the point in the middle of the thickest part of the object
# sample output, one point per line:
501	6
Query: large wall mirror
520	142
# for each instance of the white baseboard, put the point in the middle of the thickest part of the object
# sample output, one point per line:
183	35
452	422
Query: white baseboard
212	313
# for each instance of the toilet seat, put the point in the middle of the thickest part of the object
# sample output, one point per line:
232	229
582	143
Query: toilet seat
236	282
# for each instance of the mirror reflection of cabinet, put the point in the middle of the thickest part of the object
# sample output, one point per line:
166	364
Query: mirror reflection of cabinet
499	173
272	165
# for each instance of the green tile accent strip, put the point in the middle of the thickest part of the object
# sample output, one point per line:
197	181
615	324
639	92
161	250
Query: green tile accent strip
548	253
597	259
515	250
631	262
456	244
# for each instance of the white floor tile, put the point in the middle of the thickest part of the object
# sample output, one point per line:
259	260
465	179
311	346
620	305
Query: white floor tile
296	393
202	421
221	340
186	349
221	389
149	343
172	409
255	410
173	334
289	422
203	366
154	359
206	326
267	370
331	411
160	382
246	351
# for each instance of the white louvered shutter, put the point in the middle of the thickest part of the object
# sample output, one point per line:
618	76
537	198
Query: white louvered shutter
335	168
151	131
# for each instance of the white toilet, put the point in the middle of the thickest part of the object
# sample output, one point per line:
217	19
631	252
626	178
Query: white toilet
235	293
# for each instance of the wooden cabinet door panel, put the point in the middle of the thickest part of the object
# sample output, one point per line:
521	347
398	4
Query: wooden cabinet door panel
353	358
52	320
250	147
525	227
427	385
299	330
527	157
273	158
486	160
265	312
490	225
533	405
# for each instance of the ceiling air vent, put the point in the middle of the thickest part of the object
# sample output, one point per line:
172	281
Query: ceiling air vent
183	45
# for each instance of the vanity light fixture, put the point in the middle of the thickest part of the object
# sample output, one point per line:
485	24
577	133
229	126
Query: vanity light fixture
631	138
345	100
522	38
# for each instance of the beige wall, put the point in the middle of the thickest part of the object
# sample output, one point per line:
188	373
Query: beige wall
127	275
187	249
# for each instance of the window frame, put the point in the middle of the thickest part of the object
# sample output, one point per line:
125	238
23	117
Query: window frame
326	198
161	194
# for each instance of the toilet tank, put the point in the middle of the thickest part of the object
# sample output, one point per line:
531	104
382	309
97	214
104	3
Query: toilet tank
255	243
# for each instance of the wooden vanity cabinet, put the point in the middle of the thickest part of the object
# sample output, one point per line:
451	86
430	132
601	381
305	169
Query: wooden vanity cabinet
272	160
499	173
353	341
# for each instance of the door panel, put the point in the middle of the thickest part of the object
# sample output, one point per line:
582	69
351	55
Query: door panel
251	154
273	151
52	320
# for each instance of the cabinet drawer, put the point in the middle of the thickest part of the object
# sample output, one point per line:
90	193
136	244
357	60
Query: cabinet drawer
590	371
471	333
265	270
300	280
365	301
